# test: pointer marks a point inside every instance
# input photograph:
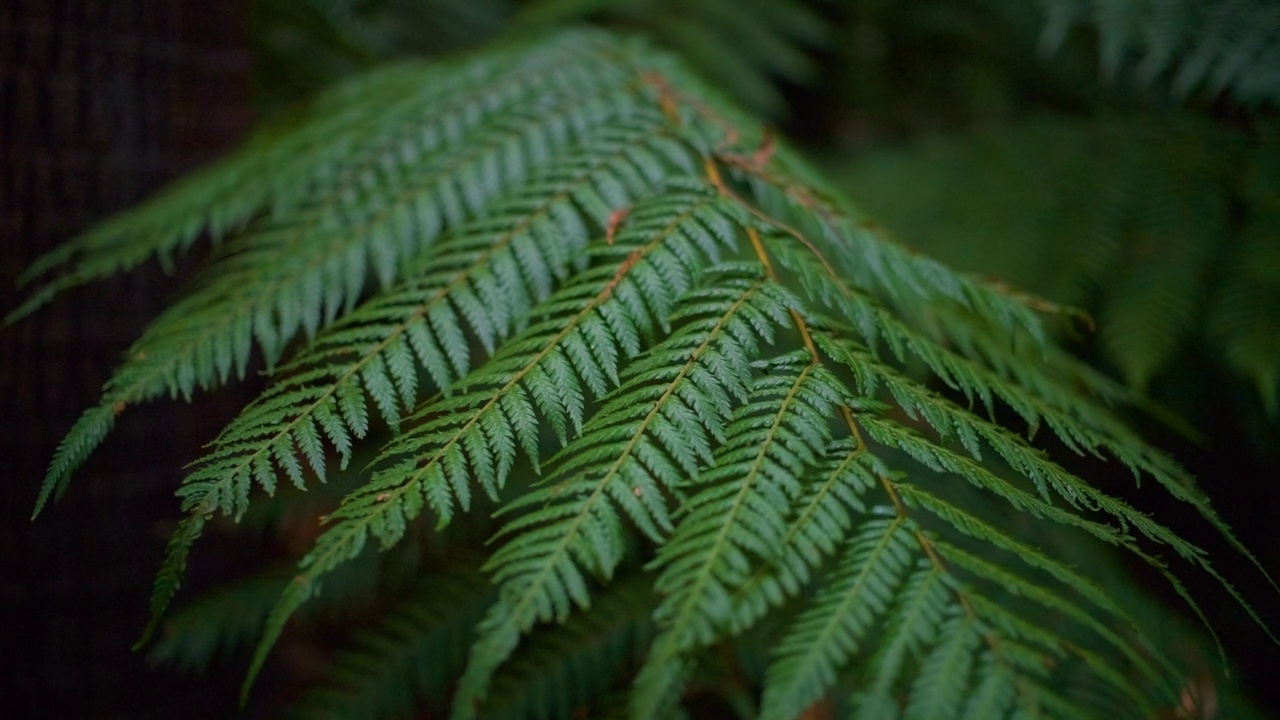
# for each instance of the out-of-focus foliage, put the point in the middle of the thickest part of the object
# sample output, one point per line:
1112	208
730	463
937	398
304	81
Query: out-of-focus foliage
1119	163
1166	227
1184	47
305	44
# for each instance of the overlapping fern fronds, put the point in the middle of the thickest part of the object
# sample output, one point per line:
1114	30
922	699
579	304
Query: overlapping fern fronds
566	278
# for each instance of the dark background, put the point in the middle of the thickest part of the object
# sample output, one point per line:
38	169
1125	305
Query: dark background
101	102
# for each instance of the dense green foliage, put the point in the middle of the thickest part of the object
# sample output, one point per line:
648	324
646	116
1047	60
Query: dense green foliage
565	281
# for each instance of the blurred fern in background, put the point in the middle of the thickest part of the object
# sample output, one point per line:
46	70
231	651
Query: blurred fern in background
1165	229
1131	172
748	53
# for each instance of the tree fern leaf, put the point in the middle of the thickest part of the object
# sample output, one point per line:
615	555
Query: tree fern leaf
168	356
1243	316
527	251
821	520
296	592
875	263
218	623
1034	655
171	572
1150	309
909	627
994	691
1025	460
420	109
833	628
945	672
1040	397
298	251
706	46
86	435
628	455
1185	47
1133	650
1014	584
436	467
312	381
739	512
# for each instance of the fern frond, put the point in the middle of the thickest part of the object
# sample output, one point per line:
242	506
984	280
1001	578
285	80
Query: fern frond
931	615
738	513
576	340
651	437
1017	627
983	373
1243	316
951	421
907	629
336	149
855	249
1037	396
858	591
1109	212
218	623
945	672
222	622
483	279
307	44
746	53
974	527
309	260
1142	322
819	525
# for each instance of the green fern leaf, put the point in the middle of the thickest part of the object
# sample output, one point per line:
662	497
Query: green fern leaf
821	521
1187	46
833	628
381	344
537	371
651	436
944	673
308	262
738	513
422	109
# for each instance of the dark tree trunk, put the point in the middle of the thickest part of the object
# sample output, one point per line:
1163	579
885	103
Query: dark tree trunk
101	101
